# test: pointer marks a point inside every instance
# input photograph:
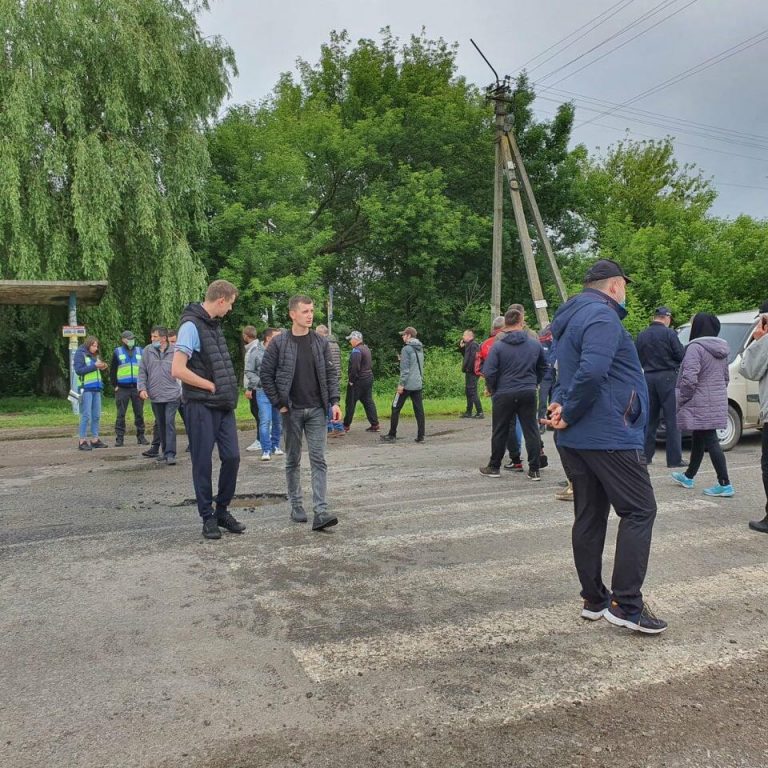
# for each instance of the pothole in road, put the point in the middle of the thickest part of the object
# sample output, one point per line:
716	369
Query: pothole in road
245	500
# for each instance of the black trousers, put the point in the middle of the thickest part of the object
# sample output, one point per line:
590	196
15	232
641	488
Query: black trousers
470	389
507	406
156	429
662	401
207	427
165	425
254	406
123	397
602	479
545	391
706	440
360	392
418	411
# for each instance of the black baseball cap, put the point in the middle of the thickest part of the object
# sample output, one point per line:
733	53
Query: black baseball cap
763	307
603	269
662	312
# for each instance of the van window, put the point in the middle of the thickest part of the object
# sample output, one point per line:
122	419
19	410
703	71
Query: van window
735	334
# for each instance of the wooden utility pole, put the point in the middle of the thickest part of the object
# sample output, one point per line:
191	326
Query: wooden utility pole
498	213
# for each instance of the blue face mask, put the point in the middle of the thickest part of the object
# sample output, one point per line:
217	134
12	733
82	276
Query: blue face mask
623	304
157	344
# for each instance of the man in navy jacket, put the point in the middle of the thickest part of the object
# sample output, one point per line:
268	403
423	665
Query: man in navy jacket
600	406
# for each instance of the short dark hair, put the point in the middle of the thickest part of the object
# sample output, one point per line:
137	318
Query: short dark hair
250	331
268	333
220	289
294	301
160	330
173	332
513	317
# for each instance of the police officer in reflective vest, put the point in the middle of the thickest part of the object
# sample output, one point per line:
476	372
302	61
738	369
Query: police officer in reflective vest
124	374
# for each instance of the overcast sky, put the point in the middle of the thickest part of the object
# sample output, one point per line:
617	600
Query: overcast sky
728	97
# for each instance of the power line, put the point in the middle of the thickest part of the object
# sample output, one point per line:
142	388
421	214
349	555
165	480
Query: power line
626	42
607	14
662	6
694	70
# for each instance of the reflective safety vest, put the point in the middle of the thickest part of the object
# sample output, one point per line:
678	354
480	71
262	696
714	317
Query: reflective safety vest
91	380
127	366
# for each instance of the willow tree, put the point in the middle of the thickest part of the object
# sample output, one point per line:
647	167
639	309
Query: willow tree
102	154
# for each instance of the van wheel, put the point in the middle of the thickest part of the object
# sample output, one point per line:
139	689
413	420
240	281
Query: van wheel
730	436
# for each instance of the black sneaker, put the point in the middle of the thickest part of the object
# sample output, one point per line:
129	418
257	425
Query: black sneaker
298	515
419	439
98	444
490	471
466	416
479	415
210	528
228	522
141	440
84	446
373	428
514	465
593	611
151	453
323	520
118	442
759	525
642	621
388	438
534	474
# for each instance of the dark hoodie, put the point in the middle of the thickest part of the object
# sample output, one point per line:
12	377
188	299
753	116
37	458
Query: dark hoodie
601	385
516	363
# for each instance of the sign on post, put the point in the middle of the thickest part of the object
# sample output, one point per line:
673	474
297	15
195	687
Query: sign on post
73	330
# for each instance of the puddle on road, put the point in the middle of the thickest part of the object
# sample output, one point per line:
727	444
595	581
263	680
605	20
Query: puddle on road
245	500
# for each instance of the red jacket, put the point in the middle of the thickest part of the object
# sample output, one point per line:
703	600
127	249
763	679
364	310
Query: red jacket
482	353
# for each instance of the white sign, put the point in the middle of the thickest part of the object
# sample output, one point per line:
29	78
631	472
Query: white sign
541	304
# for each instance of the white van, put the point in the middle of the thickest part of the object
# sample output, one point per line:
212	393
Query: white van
743	401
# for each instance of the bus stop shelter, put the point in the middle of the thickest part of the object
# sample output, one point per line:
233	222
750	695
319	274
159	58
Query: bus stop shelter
58	293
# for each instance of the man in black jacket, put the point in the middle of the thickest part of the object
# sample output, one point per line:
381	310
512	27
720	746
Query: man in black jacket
209	390
513	371
299	377
468	347
661	352
360	383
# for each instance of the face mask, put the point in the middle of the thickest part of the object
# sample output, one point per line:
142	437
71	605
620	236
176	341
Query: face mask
623	304
157	344
129	344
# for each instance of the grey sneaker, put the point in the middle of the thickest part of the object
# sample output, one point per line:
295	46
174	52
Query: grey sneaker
298	515
324	520
210	528
490	471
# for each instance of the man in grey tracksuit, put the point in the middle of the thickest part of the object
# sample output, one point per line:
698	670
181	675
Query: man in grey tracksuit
410	385
156	383
754	366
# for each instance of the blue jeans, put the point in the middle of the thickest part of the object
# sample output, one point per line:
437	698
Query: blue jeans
277	428
297	423
90	412
265	421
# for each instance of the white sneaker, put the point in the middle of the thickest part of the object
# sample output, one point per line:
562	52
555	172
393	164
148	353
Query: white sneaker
266	457
278	452
254	446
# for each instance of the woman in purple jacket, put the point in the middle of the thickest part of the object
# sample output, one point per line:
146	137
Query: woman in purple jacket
702	401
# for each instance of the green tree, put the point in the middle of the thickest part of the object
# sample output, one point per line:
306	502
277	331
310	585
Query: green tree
103	160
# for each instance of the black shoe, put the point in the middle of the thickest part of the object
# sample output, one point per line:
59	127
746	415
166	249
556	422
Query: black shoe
479	415
490	471
759	525
151	453
188	449
419	439
84	446
298	515
534	474
373	428
323	520
142	440
118	442
98	444
593	611
642	621
160	458
543	461
514	465
210	528
388	438
466	416
676	466
226	521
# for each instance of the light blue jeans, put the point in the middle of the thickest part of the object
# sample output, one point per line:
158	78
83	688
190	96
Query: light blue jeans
297	423
265	421
90	413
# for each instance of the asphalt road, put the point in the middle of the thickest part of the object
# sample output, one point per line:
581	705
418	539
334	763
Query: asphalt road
436	625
